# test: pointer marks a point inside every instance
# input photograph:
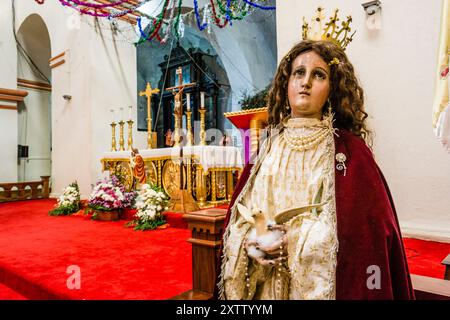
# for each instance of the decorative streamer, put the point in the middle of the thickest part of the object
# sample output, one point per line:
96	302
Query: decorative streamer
243	9
98	6
216	18
228	11
258	5
202	26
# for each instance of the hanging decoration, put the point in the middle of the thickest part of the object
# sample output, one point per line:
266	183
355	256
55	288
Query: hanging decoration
40	1
170	20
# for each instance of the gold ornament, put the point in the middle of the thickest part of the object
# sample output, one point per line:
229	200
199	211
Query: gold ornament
331	31
334	61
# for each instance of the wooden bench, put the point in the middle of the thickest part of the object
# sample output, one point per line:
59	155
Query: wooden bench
25	190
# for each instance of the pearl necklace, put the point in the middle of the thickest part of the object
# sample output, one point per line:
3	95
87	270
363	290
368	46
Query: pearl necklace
302	142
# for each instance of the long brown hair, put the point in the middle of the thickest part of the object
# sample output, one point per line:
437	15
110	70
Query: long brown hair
346	95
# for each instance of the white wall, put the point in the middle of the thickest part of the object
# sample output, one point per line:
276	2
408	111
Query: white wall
98	76
396	66
8	79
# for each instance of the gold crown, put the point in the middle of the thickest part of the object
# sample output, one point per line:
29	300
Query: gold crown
331	31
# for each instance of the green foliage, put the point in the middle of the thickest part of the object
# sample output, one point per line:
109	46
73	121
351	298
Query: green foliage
66	210
257	100
68	202
93	207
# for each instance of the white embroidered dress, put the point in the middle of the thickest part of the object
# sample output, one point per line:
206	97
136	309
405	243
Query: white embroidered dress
288	177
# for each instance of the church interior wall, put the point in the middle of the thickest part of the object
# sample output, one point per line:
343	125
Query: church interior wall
396	66
8	80
98	74
34	119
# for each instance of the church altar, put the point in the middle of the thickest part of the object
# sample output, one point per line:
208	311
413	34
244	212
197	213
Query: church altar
209	173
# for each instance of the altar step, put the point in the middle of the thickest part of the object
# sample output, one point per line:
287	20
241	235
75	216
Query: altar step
6	293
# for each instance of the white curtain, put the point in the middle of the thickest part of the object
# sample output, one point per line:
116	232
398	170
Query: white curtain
441	93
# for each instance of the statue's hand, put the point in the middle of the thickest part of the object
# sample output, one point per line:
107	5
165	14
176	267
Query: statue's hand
278	248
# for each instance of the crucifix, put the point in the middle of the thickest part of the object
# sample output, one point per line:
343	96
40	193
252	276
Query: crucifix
148	93
178	109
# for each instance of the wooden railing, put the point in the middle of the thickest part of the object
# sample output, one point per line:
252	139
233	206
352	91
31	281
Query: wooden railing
25	190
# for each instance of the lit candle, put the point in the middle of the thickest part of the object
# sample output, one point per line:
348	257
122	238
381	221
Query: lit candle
188	101
202	99
121	114
113	118
129	112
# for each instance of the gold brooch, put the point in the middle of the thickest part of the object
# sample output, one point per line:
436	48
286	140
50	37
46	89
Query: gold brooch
340	158
334	61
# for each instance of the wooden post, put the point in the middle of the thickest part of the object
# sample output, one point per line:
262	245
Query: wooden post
206	227
45	186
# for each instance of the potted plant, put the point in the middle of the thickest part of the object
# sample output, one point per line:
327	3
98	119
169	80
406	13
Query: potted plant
69	202
107	199
151	202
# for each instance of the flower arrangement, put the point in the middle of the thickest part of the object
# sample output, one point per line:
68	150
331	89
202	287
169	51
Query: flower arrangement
151	202
68	202
109	195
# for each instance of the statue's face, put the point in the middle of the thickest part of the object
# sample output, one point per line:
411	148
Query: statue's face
308	85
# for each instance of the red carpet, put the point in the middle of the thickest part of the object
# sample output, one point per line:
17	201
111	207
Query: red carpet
115	262
425	257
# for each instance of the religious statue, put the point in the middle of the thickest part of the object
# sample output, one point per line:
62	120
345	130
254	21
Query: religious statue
316	183
178	108
178	112
169	140
138	166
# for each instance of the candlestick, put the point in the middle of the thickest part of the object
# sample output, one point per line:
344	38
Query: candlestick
121	140
189	128
202	100
113	140
130	134
121	114
202	127
188	101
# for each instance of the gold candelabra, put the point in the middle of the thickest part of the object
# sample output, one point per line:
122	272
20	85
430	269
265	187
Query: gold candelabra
130	134
113	140
202	126
121	139
189	128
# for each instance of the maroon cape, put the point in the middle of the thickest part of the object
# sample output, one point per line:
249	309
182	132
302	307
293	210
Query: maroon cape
367	227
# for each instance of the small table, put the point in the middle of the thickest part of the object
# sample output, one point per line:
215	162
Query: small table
446	263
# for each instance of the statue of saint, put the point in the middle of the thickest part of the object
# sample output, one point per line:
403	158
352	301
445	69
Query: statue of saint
138	166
